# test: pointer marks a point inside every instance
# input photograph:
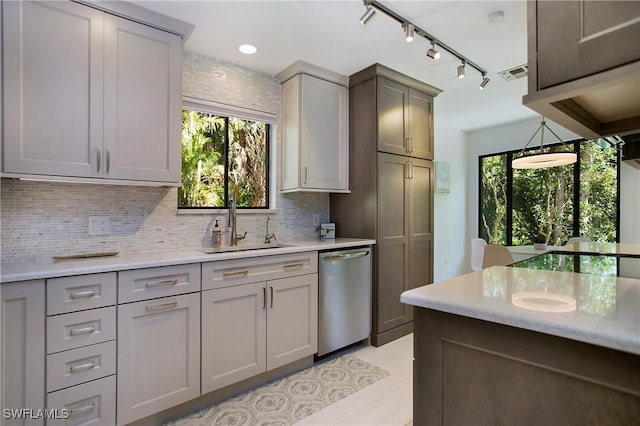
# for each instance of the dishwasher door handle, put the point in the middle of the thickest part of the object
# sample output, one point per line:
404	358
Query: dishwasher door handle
346	256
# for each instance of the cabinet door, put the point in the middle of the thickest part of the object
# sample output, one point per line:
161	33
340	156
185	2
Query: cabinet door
420	124
234	334
52	88
292	319
23	347
421	223
142	102
392	248
392	104
325	145
597	36
158	355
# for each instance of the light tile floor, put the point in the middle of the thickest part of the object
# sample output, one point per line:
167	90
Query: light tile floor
387	402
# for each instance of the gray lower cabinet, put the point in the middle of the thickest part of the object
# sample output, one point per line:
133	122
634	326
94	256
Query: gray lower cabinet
253	328
23	348
158	355
81	349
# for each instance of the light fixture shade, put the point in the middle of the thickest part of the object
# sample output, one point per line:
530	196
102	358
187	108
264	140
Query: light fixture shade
461	70
484	83
409	32
433	53
543	161
549	159
367	16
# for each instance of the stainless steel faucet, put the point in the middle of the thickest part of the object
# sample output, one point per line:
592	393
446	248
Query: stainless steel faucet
269	236
234	238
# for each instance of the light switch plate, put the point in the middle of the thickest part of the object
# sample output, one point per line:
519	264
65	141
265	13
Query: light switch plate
99	225
316	220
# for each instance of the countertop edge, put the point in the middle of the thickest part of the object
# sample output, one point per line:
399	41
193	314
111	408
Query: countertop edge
623	340
154	258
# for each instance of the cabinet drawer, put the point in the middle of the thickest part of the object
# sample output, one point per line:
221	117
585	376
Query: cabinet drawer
70	331
70	368
149	283
243	271
69	294
90	403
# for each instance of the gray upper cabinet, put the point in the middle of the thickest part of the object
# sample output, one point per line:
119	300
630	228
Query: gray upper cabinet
405	120
315	130
584	65
89	95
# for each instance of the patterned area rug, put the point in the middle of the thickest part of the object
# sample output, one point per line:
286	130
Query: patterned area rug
290	399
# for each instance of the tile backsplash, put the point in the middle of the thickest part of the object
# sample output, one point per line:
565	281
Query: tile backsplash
42	219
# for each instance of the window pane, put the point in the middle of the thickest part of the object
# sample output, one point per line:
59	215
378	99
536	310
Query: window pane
247	162
493	199
203	142
542	204
598	192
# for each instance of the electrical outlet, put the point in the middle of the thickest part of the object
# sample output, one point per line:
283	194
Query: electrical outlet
316	219
99	225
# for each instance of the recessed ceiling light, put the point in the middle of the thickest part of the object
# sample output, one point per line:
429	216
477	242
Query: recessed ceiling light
247	49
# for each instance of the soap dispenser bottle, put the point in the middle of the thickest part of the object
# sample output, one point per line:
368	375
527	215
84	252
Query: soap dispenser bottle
216	235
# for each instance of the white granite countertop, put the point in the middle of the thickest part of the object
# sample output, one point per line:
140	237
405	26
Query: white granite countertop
124	261
595	309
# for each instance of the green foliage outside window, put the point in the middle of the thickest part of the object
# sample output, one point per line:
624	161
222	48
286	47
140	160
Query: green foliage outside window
543	208
221	155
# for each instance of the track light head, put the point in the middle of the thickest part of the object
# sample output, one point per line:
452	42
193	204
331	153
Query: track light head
409	32
432	52
367	15
485	81
461	69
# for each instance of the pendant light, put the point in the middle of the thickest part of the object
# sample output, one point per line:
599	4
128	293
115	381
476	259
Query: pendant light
542	161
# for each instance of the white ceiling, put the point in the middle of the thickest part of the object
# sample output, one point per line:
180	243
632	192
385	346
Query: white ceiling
328	34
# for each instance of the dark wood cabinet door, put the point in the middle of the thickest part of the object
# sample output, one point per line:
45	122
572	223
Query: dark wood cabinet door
579	38
421	175
420	125
393	242
392	104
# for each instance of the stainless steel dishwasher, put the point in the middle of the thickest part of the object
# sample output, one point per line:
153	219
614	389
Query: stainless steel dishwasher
344	299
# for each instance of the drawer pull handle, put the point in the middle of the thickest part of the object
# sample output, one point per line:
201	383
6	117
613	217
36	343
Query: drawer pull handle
82	410
235	274
271	305
161	306
83	367
293	266
79	331
164	283
264	298
83	294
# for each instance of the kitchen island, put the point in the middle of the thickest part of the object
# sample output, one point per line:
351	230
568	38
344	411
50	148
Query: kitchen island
509	345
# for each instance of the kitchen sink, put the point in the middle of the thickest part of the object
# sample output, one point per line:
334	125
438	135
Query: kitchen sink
245	247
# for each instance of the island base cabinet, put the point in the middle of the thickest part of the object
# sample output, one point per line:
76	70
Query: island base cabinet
23	349
92	403
469	371
158	355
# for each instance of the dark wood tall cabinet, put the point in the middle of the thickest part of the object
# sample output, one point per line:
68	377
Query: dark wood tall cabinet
392	181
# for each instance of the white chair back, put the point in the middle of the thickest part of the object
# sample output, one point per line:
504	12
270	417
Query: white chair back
477	253
496	255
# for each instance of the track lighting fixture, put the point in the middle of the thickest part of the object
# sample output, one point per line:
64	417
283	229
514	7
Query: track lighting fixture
485	81
409	32
432	52
368	14
461	69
